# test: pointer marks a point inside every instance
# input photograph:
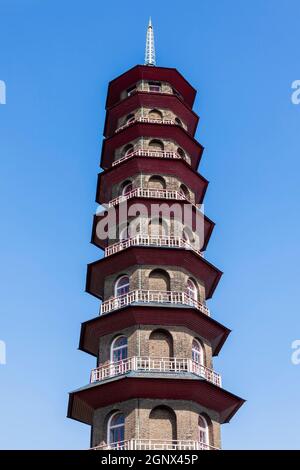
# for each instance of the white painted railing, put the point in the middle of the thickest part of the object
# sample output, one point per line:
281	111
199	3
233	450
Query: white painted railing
145	120
156	444
146	240
154	364
149	193
150	297
147	153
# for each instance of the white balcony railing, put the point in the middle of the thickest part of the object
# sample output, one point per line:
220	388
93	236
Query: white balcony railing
156	444
155	364
146	120
149	193
152	297
144	240
147	153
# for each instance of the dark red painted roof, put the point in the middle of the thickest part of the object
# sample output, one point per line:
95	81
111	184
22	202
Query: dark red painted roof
147	165
150	100
200	391
144	72
188	260
160	131
203	221
116	321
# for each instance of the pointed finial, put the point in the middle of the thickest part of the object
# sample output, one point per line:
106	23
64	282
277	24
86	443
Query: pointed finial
150	49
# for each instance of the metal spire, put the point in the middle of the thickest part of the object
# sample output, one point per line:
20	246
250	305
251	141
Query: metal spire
150	48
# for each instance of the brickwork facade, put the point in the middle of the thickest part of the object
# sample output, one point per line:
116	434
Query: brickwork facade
142	422
169	351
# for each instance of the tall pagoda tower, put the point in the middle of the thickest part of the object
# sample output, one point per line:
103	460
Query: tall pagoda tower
154	386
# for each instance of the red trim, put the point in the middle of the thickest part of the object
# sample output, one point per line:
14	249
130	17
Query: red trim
147	165
149	100
160	131
199	391
142	72
115	322
135	255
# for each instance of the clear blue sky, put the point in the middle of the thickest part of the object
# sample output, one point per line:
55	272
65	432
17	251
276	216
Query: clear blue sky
56	59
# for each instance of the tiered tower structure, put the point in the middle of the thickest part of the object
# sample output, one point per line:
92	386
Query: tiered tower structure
154	386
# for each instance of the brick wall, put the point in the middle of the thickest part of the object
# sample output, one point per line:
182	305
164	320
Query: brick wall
139	343
142	423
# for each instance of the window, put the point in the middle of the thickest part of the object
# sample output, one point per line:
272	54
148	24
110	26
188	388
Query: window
191	290
119	349
197	352
124	233
127	188
130	118
176	93
184	191
154	86
203	430
130	91
116	429
128	150
187	235
181	153
122	286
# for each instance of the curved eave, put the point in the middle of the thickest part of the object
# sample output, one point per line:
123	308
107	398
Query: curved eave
144	72
150	165
151	256
84	401
135	315
150	100
160	131
198	219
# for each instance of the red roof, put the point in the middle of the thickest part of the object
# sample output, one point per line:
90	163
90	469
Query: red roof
83	402
132	315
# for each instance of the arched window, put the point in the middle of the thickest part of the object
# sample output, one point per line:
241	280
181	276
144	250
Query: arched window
175	92
116	430
191	289
203	430
155	114
130	91
184	191
124	233
178	121
122	286
126	188
128	149
181	153
188	235
130	118
119	349
197	352
156	145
